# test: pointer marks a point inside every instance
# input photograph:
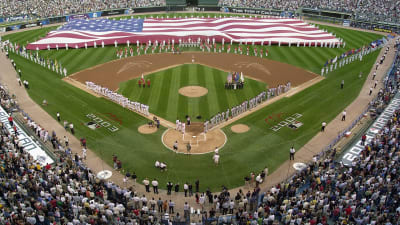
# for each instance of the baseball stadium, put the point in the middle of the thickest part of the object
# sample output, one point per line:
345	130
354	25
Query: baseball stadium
199	112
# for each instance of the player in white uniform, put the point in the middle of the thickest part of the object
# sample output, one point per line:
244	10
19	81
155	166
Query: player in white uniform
183	127
216	158
180	126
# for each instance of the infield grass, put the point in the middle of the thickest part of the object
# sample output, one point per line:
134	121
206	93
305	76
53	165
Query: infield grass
243	153
165	101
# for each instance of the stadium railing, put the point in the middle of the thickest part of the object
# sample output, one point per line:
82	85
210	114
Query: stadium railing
17	113
176	3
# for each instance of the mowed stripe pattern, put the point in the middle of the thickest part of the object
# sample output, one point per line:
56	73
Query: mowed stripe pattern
165	101
81	33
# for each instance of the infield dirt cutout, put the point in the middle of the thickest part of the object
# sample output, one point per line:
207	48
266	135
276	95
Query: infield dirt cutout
273	73
200	142
240	128
146	129
193	91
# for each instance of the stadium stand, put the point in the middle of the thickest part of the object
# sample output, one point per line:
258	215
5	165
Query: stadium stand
267	4
370	10
326	192
51	8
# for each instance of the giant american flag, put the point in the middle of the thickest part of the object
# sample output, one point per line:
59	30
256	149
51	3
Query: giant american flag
81	33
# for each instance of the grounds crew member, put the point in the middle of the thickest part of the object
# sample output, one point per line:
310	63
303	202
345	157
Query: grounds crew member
291	153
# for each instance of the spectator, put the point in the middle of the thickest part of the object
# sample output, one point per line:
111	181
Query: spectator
32	9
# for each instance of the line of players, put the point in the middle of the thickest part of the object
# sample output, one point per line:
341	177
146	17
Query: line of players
246	105
279	90
118	98
234	111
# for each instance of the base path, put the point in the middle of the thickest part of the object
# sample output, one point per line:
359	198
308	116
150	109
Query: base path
273	73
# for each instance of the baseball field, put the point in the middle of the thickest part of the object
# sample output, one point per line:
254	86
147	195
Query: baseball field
242	153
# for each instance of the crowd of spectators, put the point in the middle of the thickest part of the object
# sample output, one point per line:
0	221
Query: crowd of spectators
66	192
370	10
267	4
378	10
52	8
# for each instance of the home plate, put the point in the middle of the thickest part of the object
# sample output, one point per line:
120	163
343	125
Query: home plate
104	174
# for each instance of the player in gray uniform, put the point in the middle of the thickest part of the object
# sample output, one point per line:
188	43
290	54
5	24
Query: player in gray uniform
212	121
206	126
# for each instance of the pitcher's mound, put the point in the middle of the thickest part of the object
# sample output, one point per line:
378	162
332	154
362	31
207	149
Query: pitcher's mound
240	128
145	129
193	91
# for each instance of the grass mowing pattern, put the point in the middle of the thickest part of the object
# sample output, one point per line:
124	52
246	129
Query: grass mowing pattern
163	95
243	153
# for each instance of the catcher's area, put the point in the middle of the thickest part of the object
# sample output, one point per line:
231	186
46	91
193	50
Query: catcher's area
273	73
198	140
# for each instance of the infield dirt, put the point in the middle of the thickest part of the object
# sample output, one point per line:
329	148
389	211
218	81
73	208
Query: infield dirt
273	73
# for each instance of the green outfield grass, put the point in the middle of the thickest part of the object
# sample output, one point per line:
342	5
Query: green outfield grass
165	101
242	153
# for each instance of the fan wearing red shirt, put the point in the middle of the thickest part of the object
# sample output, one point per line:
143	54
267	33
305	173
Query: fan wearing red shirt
10	120
136	212
348	211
